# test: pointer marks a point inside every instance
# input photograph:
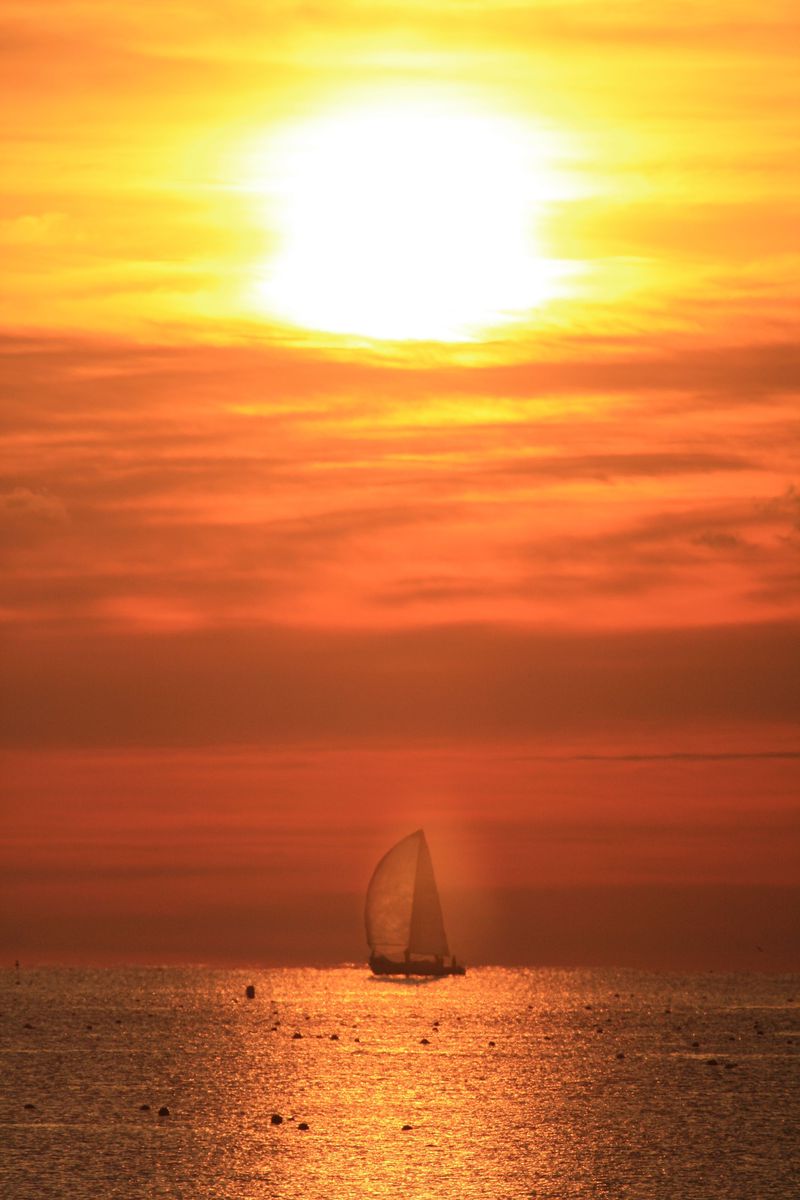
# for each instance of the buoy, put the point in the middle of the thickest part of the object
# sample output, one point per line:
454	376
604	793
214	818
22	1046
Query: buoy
276	1119
303	1125
250	991
491	1043
163	1111
424	1042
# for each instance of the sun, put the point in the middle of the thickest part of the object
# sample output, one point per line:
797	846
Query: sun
408	219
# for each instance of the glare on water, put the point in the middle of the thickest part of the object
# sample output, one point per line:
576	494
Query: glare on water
515	1083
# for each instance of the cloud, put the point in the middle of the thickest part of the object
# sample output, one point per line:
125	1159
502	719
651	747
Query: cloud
30	517
291	684
23	503
207	486
620	465
690	756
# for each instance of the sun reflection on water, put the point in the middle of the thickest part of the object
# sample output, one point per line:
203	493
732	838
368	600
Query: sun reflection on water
507	1083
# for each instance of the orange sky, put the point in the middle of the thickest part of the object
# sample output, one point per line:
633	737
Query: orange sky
520	567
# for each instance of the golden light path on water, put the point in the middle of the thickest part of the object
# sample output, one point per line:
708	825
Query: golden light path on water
511	1083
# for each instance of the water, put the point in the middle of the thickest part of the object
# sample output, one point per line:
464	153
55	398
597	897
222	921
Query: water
598	1085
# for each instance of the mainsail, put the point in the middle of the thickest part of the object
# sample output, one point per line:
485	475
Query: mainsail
403	913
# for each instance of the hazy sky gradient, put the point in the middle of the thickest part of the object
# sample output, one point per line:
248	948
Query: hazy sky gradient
272	598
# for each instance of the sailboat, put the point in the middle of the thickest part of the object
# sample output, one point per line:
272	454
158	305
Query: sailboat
403	914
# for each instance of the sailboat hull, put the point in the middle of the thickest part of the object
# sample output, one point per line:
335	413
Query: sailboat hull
387	966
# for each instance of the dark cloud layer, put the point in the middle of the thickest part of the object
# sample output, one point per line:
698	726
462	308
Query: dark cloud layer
268	685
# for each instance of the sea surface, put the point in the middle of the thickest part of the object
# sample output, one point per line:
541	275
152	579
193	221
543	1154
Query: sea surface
508	1083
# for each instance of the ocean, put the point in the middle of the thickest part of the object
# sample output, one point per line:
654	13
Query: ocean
503	1085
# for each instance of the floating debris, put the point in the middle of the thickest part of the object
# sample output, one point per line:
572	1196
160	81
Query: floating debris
30	1106
334	1037
144	1108
303	1125
620	1054
424	1042
296	1036
250	991
406	1127
276	1119
711	1062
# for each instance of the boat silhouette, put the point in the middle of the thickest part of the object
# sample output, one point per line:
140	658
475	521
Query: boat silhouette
403	914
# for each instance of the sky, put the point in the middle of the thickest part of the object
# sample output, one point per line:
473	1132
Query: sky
399	429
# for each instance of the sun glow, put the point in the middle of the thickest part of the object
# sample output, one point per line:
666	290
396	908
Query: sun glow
410	220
